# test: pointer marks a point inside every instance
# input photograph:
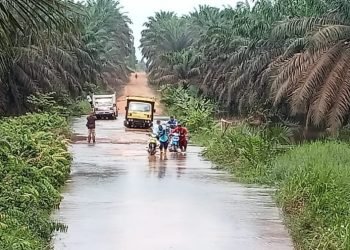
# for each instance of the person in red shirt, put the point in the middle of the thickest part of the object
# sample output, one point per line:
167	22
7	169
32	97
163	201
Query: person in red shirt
183	132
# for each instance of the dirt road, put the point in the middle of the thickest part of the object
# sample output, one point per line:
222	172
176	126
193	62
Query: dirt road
119	199
139	87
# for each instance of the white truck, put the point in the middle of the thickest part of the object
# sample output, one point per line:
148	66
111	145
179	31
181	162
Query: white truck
105	106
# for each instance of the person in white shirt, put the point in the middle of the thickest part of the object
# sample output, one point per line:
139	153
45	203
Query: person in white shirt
156	128
89	100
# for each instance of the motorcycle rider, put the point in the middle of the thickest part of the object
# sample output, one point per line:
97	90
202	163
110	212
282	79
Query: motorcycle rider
172	122
183	132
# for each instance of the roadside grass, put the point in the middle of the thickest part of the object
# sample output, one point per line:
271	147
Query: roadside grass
313	183
312	180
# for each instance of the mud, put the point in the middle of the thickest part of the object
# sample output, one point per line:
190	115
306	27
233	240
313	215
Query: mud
139	87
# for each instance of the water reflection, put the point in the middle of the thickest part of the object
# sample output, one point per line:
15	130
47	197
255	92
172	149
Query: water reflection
162	165
157	165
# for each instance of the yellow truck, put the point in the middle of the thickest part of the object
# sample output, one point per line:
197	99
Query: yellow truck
139	112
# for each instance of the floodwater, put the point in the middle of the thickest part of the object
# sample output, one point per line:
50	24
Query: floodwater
119	199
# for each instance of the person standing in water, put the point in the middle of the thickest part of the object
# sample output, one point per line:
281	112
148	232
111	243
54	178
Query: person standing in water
156	129
91	126
163	139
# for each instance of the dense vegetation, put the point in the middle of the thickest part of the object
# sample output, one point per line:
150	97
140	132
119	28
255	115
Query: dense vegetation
287	58
34	164
311	180
56	46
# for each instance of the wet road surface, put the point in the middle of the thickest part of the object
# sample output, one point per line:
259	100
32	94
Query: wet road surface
119	199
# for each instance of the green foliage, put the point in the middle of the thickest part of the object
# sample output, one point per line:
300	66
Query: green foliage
196	113
65	106
108	37
313	190
34	164
56	46
45	103
246	151
80	108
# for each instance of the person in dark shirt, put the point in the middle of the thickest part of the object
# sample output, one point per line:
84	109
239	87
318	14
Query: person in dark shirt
172	122
91	125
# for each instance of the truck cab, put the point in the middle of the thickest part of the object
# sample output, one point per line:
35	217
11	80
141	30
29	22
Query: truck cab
139	112
105	106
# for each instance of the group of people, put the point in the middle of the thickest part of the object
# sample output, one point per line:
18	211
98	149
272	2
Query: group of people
165	131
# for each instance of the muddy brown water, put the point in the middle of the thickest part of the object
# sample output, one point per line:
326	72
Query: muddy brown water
119	199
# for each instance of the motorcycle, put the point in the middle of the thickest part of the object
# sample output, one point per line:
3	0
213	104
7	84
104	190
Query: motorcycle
174	144
152	144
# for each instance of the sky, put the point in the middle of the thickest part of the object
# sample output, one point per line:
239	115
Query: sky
140	10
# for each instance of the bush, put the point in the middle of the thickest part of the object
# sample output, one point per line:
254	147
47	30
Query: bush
313	190
246	151
34	164
195	112
65	107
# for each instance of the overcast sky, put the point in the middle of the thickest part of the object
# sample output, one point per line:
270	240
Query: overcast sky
140	10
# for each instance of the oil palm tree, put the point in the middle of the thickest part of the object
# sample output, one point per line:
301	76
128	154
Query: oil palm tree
184	68
290	54
56	53
165	34
316	86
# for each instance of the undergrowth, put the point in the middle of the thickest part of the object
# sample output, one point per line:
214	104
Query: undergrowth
34	164
195	113
66	107
313	182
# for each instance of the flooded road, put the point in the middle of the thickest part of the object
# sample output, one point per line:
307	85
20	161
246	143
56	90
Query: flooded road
118	199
